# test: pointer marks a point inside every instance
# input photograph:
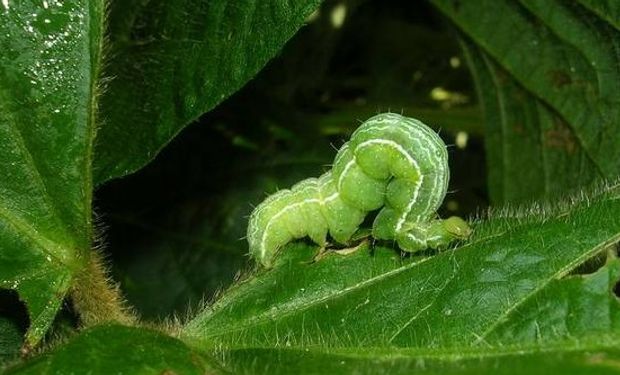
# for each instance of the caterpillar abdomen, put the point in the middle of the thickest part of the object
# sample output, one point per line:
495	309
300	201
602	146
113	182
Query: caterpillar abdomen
393	163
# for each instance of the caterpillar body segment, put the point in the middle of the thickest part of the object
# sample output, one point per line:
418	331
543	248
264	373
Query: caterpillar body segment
393	164
312	208
408	160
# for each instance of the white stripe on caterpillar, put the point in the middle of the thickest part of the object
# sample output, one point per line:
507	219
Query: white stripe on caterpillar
392	163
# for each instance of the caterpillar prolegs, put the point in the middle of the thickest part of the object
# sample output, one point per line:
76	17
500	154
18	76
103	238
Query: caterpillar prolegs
393	163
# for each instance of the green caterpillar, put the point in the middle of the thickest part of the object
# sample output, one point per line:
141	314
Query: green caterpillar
391	161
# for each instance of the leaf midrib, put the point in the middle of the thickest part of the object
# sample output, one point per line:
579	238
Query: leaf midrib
587	343
60	253
33	171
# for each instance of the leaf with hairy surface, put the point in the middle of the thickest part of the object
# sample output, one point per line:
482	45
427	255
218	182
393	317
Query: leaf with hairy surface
48	75
509	290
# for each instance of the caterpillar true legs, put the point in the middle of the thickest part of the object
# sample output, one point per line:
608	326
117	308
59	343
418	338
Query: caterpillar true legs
393	163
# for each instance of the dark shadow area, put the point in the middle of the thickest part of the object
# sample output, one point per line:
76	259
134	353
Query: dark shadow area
591	265
13	324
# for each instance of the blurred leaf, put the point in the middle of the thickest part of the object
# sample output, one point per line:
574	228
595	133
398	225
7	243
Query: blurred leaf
345	121
169	269
10	340
115	349
606	9
508	290
549	76
48	71
172	61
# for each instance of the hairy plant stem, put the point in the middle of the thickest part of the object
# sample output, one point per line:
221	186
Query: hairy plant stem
97	298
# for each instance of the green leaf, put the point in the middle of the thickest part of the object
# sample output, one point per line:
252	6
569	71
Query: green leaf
404	361
548	78
567	309
171	61
531	150
508	290
115	349
608	10
48	74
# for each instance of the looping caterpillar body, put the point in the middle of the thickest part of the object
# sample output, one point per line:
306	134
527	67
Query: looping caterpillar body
392	163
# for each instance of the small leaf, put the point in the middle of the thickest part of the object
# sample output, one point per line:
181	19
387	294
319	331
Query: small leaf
172	61
115	349
48	72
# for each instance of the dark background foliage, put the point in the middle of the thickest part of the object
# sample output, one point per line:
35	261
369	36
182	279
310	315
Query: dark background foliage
174	230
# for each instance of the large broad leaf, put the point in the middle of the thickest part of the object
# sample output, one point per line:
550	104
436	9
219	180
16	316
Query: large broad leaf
171	61
509	290
548	78
114	349
48	71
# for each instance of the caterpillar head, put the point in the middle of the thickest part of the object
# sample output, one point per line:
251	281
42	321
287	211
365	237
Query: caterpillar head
457	227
